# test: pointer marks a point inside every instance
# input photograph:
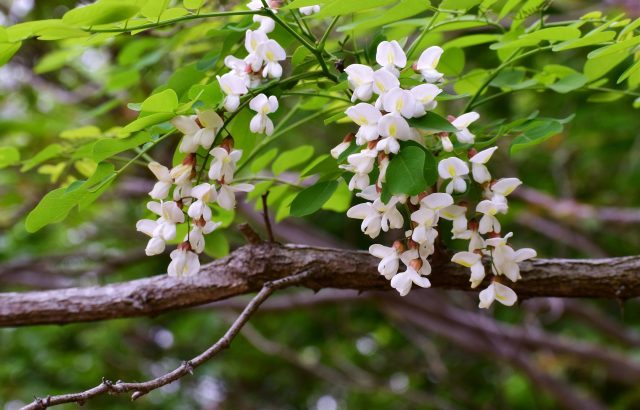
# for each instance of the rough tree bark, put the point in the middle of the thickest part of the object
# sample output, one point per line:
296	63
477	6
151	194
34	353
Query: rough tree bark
246	269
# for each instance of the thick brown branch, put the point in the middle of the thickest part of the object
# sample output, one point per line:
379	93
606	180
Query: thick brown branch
246	269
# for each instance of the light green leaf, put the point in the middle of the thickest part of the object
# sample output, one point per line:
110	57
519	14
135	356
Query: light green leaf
192	4
340	200
311	199
588	40
108	147
7	50
471	40
9	156
164	101
615	48
56	205
458	4
47	153
154	8
292	158
100	12
553	34
629	72
263	160
597	67
90	131
402	10
147	121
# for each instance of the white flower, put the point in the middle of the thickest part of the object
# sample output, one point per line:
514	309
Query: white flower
476	242
241	69
163	229
478	168
383	81
376	216
309	10
196	236
447	145
399	101
474	261
339	149
505	260
454	169
367	117
425	96
196	135
457	214
361	164
427	63
502	188
497	291
183	263
390	55
182	192
204	193
488	209
390	256
161	188
360	78
461	123
224	164
403	281
271	53
427	216
181	173
262	106
392	127
233	86
267	24
227	194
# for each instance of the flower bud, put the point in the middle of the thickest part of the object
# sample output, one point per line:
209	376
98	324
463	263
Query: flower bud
416	264
398	246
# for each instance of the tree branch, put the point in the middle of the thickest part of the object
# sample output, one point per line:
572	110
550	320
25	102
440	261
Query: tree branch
246	270
142	388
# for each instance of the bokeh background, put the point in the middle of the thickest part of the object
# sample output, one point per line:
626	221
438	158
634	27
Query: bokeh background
333	350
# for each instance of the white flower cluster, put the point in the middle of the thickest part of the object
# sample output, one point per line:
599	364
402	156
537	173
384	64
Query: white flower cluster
382	126
200	131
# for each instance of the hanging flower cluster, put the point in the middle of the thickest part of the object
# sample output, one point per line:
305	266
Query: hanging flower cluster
180	196
383	125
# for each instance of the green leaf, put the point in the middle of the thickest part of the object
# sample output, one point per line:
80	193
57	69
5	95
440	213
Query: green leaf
263	160
9	156
7	50
569	83
402	10
341	7
100	12
508	6
615	48
154	8
471	40
452	62
324	165
108	147
458	4
629	72
340	200
56	205
311	199
90	131
216	244
534	133
553	34
405	174
292	158
296	4
164	101
146	121
432	122
192	4
597	67
588	40
47	153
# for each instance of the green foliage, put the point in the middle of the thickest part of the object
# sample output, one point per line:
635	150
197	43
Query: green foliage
313	198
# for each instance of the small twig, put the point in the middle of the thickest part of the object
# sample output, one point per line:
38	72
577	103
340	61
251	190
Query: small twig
265	215
142	388
249	234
